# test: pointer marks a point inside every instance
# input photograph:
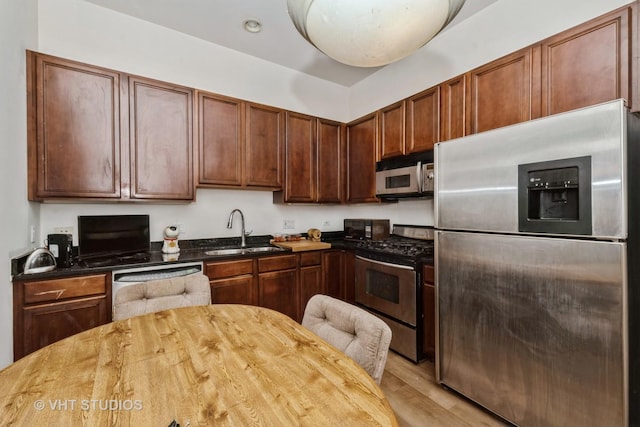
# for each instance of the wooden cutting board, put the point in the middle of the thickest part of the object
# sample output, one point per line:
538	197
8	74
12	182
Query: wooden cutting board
302	245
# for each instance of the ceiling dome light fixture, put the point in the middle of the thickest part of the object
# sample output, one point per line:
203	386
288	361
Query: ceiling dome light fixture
252	25
373	32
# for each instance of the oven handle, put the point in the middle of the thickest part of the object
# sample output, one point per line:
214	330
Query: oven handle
405	267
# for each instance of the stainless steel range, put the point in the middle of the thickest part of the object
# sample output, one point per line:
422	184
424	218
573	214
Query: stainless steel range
389	283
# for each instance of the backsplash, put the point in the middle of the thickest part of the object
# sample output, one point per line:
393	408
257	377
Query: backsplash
207	217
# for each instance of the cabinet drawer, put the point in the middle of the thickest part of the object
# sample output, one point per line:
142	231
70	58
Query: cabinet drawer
219	270
276	263
60	289
310	258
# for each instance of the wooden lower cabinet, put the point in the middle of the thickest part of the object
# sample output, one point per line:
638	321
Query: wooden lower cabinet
310	278
338	274
333	274
278	284
232	282
349	276
46	311
284	283
429	310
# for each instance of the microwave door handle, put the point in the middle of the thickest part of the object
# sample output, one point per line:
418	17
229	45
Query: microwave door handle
419	177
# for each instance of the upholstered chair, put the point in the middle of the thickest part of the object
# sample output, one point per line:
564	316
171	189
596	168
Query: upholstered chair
158	295
354	331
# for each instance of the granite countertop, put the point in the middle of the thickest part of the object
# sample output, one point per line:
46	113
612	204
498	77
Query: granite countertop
190	251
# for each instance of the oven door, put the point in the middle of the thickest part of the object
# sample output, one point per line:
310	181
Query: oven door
387	288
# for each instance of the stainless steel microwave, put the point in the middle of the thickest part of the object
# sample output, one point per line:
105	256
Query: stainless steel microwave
406	176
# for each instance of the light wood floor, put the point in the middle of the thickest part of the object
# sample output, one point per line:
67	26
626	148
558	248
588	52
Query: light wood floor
419	401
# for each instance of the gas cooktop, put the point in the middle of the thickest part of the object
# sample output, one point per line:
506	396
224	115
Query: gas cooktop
408	244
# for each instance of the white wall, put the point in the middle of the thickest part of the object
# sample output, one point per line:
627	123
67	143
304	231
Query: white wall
503	27
208	216
82	31
17	31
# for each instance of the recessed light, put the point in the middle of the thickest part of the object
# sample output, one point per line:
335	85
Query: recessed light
252	25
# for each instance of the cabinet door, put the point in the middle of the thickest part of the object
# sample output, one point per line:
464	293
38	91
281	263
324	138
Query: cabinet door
220	140
300	158
330	173
278	291
47	323
232	282
74	129
361	159
423	120
310	285
588	64
333	274
349	260
500	93
429	311
161	140
453	95
236	290
263	146
392	122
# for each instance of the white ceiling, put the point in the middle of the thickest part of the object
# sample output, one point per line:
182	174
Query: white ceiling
220	22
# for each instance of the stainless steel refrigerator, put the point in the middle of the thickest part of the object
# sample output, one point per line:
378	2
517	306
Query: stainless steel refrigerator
536	258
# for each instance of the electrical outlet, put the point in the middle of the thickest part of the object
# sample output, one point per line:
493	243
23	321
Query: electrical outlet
288	224
32	234
63	230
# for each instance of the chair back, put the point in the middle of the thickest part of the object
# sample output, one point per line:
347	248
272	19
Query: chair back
158	295
359	334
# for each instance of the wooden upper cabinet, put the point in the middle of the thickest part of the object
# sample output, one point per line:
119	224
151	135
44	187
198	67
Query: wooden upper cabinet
74	129
453	95
423	121
500	92
264	146
361	159
220	140
98	134
392	122
300	158
330	162
313	160
161	138
588	64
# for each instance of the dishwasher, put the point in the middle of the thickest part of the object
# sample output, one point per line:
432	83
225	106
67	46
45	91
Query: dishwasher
130	276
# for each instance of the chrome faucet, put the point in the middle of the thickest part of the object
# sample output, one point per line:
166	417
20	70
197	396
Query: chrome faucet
243	242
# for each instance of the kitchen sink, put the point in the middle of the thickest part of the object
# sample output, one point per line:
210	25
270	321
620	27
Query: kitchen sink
264	249
240	251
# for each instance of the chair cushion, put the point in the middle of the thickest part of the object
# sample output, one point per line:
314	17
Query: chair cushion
158	295
356	332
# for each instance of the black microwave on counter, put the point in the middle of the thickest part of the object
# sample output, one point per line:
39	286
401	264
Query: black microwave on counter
366	229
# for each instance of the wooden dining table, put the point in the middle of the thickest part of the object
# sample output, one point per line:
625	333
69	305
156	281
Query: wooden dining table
220	364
